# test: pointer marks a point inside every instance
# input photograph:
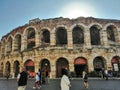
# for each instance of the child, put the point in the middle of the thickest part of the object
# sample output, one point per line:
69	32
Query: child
37	79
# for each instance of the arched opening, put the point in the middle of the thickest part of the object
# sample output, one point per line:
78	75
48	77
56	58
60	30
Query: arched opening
78	35
80	65
95	35
29	64
9	45
61	36
115	63
99	63
17	43
31	38
16	68
60	64
45	69
7	68
45	65
45	37
111	34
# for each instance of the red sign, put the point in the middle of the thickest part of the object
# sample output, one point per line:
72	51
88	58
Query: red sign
80	61
29	63
114	60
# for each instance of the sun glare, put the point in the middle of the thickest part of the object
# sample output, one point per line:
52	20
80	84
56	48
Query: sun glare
74	10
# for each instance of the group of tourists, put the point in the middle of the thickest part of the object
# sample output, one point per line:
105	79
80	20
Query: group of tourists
23	77
65	81
104	74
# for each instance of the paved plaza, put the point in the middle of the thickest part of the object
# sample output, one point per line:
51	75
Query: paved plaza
54	84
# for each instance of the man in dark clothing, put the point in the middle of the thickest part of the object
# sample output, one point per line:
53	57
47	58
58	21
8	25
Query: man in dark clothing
22	79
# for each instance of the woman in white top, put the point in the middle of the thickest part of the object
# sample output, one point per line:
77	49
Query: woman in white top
65	82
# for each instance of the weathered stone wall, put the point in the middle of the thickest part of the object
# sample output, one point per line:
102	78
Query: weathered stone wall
69	52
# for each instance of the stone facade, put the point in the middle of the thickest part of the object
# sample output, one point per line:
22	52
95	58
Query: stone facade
51	44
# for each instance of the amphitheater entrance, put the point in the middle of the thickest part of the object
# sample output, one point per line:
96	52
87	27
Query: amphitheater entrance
45	67
99	63
60	64
29	64
16	68
115	63
7	68
80	65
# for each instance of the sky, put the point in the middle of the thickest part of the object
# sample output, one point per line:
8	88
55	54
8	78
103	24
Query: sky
15	13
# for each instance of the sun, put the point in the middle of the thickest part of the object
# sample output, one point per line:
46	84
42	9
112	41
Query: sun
74	10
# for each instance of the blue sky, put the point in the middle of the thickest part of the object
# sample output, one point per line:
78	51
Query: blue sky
15	13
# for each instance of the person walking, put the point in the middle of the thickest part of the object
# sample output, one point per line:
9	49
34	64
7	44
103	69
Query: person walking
65	82
85	79
37	81
22	79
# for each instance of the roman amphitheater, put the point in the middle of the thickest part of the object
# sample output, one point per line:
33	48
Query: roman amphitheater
79	44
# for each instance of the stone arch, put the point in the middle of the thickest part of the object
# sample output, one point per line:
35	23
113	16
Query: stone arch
61	36
99	63
78	34
79	24
98	25
60	64
25	33
45	36
95	35
29	36
45	64
45	67
112	34
80	65
109	24
16	68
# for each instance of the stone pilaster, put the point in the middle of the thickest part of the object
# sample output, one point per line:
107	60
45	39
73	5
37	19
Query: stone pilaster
118	34
87	38
37	40
13	46
24	43
70	40
12	71
104	39
53	70
52	39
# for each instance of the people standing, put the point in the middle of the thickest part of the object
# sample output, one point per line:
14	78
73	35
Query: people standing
37	81
65	82
7	75
106	74
103	73
85	79
46	77
39	73
22	79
